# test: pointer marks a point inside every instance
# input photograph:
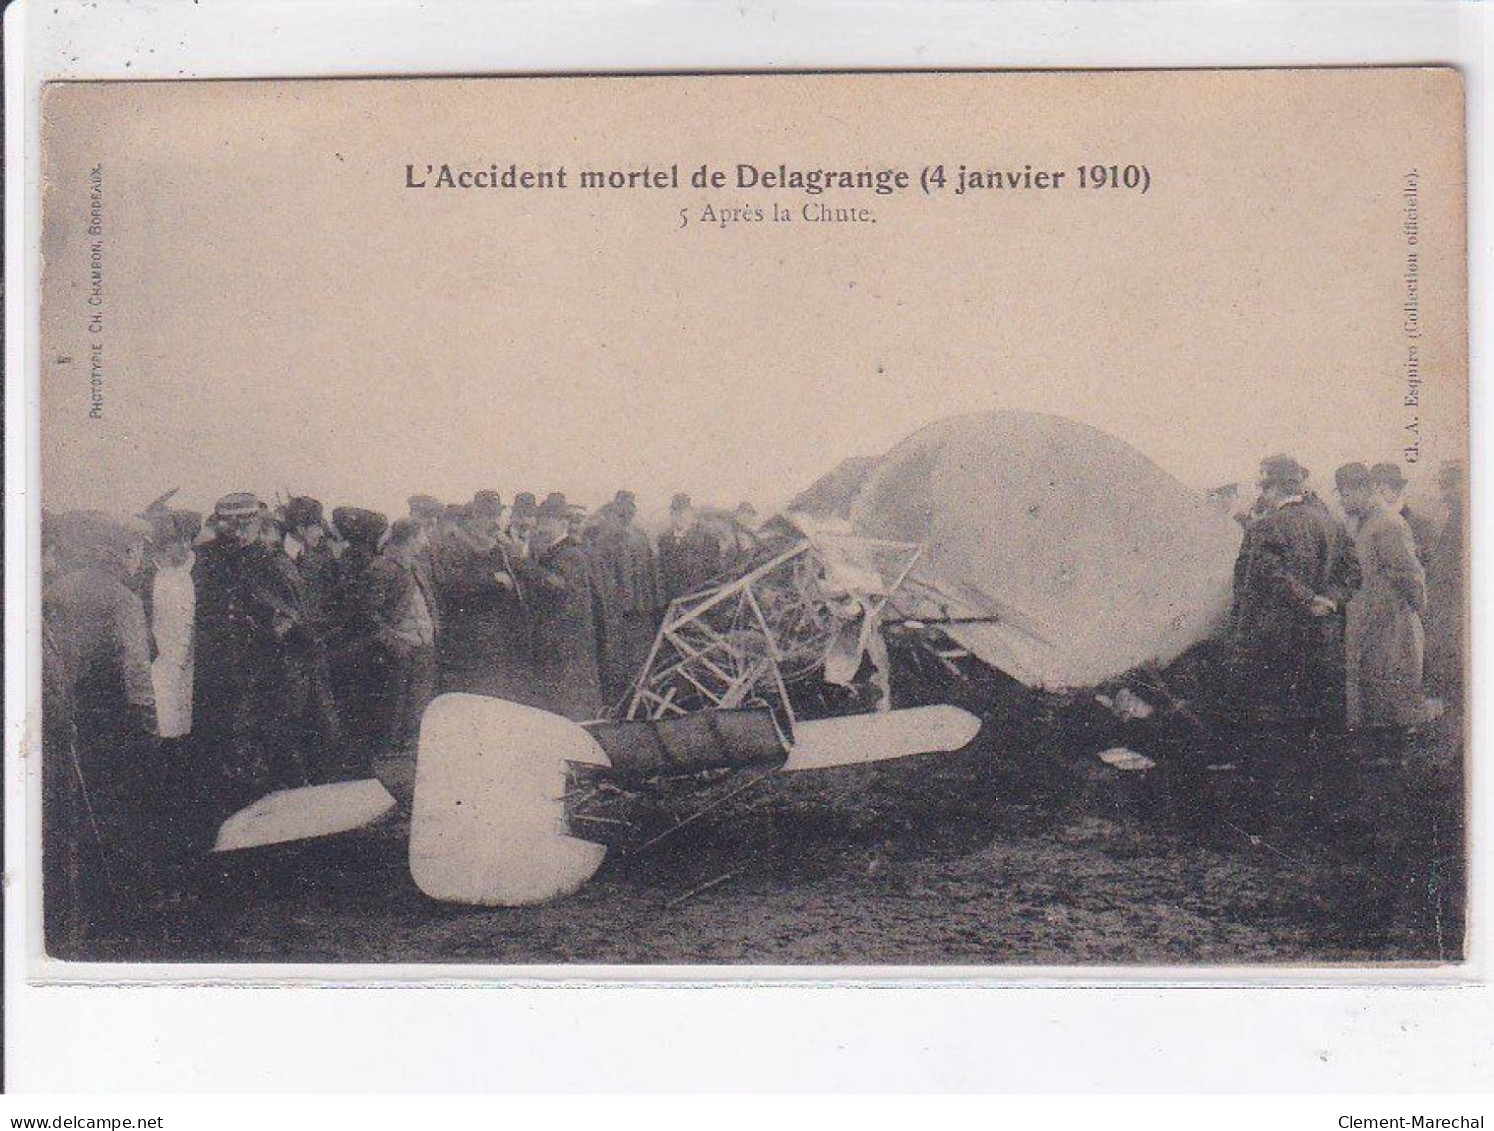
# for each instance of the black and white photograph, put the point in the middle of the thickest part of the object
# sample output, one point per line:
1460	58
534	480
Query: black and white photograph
963	520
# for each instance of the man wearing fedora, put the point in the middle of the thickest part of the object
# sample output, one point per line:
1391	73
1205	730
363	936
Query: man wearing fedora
316	554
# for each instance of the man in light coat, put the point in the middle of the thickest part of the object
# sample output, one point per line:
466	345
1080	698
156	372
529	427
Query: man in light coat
1383	641
98	770
173	607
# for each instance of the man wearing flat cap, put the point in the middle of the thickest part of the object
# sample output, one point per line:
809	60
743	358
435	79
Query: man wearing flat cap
100	726
1293	579
1383	636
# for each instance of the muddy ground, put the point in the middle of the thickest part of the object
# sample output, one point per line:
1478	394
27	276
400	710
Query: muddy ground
1021	849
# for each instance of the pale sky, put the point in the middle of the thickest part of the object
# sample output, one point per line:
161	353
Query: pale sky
280	312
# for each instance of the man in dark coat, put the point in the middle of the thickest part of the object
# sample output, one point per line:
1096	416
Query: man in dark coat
247	607
1446	603
558	579
521	518
313	577
100	726
359	665
65	826
627	578
689	557
485	648
1293	579
402	607
317	559
426	511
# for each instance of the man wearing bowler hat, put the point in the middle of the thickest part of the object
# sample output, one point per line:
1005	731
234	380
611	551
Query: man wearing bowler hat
521	520
1293	579
1391	485
689	557
482	648
311	578
627	578
567	615
426	511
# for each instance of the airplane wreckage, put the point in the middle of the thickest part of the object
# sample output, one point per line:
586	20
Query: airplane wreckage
1017	545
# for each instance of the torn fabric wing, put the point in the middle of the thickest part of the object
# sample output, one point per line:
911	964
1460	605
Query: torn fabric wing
1054	552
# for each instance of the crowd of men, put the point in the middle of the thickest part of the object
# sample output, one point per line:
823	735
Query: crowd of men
1348	625
193	665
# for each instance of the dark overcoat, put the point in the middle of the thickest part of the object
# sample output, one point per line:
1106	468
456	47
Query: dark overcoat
688	561
1288	663
1445	618
627	580
247	608
567	630
484	647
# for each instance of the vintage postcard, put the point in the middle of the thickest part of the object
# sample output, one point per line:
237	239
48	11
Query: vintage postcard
884	520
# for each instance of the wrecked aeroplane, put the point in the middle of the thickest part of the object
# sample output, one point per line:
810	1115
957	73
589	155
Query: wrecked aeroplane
1023	544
